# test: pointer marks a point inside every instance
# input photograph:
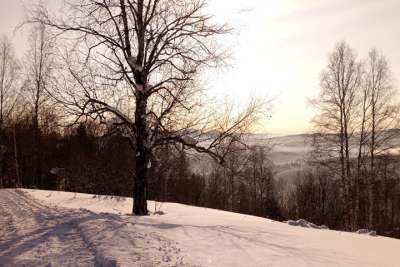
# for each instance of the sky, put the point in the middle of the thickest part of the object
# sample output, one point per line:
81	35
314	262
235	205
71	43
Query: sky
279	48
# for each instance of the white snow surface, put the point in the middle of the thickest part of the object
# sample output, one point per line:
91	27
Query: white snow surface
99	230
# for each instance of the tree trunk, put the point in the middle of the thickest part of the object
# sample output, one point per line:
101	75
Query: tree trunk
360	160
3	71
16	158
372	168
386	192
37	149
142	158
343	166
232	189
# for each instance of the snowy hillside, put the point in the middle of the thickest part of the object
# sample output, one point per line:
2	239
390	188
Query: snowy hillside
183	236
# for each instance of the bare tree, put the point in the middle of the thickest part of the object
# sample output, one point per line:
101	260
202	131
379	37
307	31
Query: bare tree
138	61
8	92
337	104
382	117
363	136
260	178
357	106
39	64
232	172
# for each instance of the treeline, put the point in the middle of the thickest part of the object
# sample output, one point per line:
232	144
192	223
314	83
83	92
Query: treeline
355	157
95	159
92	158
318	197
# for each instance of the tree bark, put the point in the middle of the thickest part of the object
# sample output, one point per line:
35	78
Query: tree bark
372	158
16	158
142	158
37	148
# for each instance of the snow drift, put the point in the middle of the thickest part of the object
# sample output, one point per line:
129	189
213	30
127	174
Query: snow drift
194	236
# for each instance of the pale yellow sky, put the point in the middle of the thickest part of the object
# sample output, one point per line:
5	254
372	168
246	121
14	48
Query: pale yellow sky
281	46
284	44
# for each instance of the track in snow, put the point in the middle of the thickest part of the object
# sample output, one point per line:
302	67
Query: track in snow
35	235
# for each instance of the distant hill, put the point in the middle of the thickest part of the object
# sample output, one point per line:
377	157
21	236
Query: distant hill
288	151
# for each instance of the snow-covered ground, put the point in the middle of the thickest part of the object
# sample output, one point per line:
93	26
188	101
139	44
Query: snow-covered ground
59	226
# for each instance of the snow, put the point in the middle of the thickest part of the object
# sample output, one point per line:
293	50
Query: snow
57	171
132	63
194	236
366	231
33	235
304	223
372	233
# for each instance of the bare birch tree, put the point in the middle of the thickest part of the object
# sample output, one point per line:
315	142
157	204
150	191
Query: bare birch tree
358	115
382	117
8	93
39	64
337	104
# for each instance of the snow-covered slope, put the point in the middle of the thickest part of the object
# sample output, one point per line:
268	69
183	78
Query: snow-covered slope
195	236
